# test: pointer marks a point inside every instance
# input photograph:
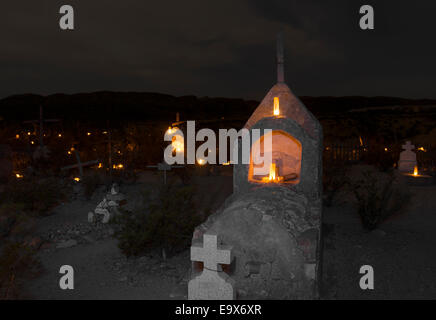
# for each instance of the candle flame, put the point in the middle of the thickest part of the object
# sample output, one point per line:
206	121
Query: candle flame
276	106
415	171
273	174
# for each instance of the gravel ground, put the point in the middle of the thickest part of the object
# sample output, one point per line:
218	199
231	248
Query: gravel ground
401	252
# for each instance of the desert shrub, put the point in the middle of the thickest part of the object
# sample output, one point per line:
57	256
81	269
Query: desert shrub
379	195
334	179
165	222
35	195
17	264
17	257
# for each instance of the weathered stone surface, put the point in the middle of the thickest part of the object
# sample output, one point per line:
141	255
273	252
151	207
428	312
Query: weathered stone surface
269	263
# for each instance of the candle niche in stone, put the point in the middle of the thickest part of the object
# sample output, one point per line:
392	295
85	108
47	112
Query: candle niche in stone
285	152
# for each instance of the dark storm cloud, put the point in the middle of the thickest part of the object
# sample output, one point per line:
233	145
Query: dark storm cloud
217	48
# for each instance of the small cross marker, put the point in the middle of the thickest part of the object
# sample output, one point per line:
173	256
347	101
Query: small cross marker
408	146
210	253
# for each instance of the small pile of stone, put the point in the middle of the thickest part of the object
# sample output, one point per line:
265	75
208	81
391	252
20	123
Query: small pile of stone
109	206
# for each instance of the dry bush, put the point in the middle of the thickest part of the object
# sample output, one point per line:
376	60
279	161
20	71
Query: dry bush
165	222
17	256
17	264
379	195
36	196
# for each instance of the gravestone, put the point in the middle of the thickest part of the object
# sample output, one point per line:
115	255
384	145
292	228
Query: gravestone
108	207
407	160
212	283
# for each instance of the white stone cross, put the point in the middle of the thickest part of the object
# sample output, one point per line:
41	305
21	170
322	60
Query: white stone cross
408	146
211	284
210	253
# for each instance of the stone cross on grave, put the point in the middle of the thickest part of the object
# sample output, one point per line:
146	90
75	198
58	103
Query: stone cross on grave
212	283
408	146
407	160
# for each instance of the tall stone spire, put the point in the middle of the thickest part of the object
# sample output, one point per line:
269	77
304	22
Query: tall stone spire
280	59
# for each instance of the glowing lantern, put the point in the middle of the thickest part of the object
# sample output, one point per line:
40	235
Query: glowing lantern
422	149
77	179
276	106
415	171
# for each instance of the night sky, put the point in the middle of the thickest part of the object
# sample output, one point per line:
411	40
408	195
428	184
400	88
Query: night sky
218	48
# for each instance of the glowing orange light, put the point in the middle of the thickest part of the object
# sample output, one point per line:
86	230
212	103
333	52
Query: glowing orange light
19	176
77	179
273	174
361	141
226	163
28	133
32	142
88	133
60	135
100	165
415	171
201	162
17	136
118	166
276	106
422	149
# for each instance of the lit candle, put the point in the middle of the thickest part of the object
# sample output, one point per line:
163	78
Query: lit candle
276	106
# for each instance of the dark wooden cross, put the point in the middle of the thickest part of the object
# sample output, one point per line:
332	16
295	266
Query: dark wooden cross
79	164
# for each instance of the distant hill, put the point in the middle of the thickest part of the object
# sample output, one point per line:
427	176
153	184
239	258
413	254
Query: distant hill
145	106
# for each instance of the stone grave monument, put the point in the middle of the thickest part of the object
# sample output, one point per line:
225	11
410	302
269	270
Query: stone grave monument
273	219
108	207
211	283
407	161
